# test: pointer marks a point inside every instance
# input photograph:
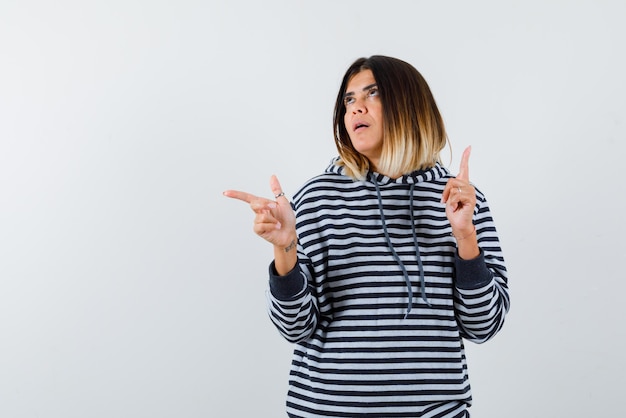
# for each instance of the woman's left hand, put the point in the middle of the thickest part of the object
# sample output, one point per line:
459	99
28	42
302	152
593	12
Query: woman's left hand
460	199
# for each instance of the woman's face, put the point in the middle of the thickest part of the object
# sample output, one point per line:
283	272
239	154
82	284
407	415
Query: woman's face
364	116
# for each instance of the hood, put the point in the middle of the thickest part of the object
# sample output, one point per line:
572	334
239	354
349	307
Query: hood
434	173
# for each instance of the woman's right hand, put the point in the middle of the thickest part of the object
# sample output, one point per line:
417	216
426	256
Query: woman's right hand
275	220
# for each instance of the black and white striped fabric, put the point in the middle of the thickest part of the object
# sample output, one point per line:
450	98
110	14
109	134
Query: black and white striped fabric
357	351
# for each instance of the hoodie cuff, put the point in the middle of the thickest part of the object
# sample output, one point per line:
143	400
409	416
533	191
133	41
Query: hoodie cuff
289	286
472	274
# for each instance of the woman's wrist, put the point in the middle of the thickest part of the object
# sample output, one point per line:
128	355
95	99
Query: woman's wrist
285	257
467	244
464	235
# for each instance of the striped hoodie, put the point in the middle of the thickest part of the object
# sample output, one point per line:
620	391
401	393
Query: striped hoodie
380	304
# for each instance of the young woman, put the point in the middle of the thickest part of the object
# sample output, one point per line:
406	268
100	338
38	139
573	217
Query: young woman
385	263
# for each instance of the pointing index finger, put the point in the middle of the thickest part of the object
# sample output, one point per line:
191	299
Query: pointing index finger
464	166
239	195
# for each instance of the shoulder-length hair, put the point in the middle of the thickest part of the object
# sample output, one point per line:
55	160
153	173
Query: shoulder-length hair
414	132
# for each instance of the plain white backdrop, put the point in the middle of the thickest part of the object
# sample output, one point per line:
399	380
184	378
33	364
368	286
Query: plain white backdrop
130	287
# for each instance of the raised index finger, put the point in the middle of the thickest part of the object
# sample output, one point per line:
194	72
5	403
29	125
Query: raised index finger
464	166
239	195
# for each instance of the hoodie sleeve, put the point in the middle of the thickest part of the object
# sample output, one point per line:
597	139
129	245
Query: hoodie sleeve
481	285
291	305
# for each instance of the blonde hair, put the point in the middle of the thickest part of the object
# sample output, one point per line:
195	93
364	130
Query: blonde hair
414	132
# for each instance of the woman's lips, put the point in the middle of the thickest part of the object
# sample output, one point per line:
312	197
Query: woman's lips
357	126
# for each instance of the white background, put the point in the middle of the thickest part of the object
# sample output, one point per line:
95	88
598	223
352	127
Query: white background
130	287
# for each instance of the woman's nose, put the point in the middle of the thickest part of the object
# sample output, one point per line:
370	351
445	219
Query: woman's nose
359	106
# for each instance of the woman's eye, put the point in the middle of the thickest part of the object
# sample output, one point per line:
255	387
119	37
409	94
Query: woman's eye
348	100
373	92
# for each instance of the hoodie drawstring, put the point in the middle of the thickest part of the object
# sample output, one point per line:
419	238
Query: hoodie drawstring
395	254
